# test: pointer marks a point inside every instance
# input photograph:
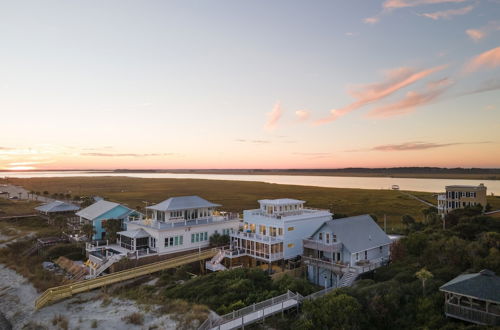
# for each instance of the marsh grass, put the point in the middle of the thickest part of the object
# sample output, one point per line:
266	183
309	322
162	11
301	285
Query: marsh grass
236	196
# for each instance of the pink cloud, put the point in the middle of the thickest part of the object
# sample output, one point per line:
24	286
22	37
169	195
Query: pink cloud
395	80
412	100
488	59
447	14
371	20
302	115
475	34
392	4
483	32
273	117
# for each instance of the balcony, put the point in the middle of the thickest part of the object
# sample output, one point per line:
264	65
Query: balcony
284	215
336	267
257	237
441	197
315	245
469	314
172	224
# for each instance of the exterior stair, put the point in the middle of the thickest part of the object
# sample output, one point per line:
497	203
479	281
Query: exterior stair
99	269
215	264
348	279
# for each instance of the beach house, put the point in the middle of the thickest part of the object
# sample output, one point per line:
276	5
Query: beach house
460	196
98	213
273	233
175	225
341	249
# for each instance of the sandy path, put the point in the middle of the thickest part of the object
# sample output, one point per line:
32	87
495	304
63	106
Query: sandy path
17	298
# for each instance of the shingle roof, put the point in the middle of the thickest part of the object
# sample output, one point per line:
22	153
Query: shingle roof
357	233
57	206
182	203
97	209
136	233
484	285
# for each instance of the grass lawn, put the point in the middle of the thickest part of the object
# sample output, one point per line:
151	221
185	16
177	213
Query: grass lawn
235	195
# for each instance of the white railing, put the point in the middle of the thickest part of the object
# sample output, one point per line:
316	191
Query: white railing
284	214
253	313
257	237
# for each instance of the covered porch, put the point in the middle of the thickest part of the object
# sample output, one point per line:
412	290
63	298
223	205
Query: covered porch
136	240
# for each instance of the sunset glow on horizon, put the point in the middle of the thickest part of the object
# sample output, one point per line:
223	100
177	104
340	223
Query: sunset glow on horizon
245	85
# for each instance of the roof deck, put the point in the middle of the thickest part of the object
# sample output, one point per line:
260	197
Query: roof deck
285	215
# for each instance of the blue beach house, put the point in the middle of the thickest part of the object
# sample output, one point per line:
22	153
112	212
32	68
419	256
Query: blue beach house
99	212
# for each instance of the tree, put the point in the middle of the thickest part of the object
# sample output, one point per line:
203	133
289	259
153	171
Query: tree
61	223
217	239
88	230
87	201
408	220
112	226
423	275
333	311
45	193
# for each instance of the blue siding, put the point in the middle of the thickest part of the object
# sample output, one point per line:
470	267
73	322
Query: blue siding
111	214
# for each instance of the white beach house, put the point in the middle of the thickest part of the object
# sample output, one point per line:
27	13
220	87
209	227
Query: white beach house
177	224
274	232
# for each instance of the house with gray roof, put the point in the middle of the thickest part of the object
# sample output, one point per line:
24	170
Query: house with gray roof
101	211
473	298
57	207
342	249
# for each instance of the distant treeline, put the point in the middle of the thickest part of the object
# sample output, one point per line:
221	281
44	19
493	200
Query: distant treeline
387	170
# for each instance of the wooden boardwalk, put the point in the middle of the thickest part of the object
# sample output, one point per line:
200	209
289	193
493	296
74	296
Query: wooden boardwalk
64	291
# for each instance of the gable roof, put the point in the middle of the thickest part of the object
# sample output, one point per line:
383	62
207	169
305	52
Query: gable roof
182	203
357	233
99	208
484	285
57	206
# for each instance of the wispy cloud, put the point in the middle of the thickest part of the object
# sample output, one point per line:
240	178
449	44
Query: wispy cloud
485	86
475	34
273	117
395	4
253	141
412	100
447	14
371	20
313	155
396	79
105	154
483	32
489	59
414	145
302	115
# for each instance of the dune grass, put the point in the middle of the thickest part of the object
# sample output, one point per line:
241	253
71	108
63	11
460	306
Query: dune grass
17	207
235	196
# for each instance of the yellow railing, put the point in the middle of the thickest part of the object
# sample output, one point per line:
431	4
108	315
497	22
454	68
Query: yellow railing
65	291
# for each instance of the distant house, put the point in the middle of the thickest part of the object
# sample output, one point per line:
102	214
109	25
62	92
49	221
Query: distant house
99	212
473	298
460	196
57	207
342	249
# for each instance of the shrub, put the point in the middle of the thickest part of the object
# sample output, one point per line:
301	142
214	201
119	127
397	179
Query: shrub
134	318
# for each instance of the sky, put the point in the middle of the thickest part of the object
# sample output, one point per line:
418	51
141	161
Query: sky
249	84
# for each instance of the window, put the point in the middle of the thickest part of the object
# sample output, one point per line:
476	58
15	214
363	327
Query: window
357	256
291	228
334	238
380	249
192	238
366	255
181	239
173	241
291	245
320	235
176	240
206	236
280	231
327	238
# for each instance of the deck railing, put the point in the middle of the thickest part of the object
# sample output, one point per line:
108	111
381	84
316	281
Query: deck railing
65	291
471	314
